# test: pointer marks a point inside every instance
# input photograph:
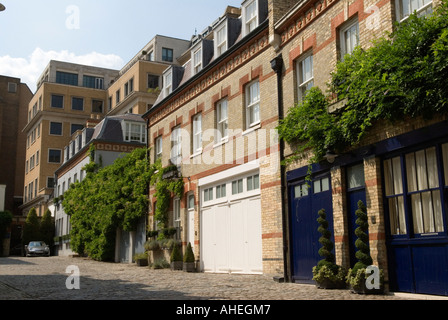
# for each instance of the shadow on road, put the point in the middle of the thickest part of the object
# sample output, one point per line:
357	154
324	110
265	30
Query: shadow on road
15	260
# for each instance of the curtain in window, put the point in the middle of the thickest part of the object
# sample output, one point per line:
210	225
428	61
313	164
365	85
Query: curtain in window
394	193
423	184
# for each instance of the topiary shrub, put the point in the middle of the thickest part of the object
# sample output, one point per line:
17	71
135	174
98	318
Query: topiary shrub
189	264
327	273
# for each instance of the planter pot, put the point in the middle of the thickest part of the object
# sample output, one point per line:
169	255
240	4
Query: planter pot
328	284
189	266
142	262
362	289
177	265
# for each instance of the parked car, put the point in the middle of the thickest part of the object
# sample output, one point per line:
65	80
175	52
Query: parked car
37	248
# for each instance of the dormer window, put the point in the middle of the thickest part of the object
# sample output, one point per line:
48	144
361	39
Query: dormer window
221	39
250	16
168	83
197	60
134	132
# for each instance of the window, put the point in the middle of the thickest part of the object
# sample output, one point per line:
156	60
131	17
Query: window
349	38
97	106
153	81
75	127
176	216
50	182
414	192
197	60
253	182
197	133
158	148
305	75
300	191
221	40
67	78
221	191
117	97
93	82
57	101
56	128
167	55
168	83
252	104
250	17
176	150
135	132
190	203
128	87
12	87
237	186
37	158
208	194
54	156
405	8
77	104
222	120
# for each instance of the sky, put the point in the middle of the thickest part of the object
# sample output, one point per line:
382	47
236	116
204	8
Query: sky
102	33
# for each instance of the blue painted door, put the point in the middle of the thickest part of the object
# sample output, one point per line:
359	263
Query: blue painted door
306	199
356	192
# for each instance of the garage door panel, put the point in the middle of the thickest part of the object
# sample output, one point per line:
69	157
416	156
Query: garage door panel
208	239
237	239
254	243
221	252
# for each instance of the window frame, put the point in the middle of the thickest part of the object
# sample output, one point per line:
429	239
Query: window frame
196	58
221	46
168	83
422	10
61	128
176	144
167	54
53	96
302	83
222	124
79	99
344	50
252	106
250	23
49	156
196	136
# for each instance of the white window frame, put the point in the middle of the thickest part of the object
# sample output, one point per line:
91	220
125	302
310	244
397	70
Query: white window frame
197	133
221	35
403	10
168	83
176	143
177	222
222	121
304	81
131	133
197	60
347	45
252	104
158	146
250	22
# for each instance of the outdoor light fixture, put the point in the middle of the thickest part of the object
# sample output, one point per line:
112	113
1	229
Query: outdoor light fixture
330	156
2	7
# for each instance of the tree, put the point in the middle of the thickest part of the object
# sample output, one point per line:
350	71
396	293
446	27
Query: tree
47	228
31	229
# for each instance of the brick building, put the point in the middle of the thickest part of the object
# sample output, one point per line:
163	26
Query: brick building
222	97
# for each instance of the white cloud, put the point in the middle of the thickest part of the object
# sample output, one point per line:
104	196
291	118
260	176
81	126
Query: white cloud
29	69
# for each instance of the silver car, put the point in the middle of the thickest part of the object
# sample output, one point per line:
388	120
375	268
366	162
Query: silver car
37	248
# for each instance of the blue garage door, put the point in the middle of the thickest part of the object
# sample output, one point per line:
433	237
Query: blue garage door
415	187
306	199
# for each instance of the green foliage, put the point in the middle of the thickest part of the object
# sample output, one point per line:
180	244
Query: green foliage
165	189
5	222
176	255
113	197
403	75
189	255
327	270
31	229
362	243
47	228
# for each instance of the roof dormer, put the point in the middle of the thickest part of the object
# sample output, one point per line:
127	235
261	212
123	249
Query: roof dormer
254	12
226	33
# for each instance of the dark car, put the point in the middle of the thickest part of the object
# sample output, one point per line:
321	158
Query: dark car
37	248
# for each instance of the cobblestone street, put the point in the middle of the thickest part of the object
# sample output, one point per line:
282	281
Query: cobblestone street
45	279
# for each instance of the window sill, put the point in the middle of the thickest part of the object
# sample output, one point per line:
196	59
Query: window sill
253	127
197	153
220	143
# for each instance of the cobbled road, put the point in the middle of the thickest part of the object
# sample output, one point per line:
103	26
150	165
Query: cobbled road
45	279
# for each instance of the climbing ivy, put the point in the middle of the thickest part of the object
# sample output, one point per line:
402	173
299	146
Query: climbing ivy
112	197
403	75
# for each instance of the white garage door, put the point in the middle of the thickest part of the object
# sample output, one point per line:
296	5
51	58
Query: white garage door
231	226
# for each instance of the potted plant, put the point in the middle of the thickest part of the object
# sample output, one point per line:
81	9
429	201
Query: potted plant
327	274
189	263
357	277
141	259
176	258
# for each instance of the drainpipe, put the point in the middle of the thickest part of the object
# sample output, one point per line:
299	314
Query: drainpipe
277	66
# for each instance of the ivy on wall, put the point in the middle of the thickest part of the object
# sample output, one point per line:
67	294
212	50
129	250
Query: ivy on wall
403	75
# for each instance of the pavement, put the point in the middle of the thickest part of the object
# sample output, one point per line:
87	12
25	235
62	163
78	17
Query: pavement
68	279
